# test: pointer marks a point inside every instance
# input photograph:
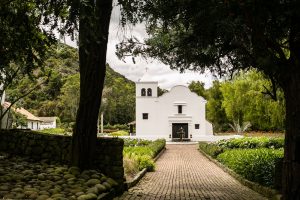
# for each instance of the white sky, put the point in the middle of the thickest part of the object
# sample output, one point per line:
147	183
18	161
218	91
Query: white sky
166	77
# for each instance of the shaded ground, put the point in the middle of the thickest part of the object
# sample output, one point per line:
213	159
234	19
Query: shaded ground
22	178
182	172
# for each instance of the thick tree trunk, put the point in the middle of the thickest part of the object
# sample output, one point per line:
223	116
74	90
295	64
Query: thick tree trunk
93	36
291	165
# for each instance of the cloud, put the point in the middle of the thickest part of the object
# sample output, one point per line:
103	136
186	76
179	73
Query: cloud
166	77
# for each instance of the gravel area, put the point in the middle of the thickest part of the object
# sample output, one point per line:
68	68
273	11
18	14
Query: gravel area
22	178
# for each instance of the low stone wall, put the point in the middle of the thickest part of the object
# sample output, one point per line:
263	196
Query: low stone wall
39	146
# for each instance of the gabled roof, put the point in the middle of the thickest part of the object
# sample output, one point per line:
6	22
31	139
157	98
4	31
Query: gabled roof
22	111
48	119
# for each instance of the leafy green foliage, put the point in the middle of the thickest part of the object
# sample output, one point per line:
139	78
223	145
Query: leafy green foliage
26	32
241	101
244	101
256	165
69	98
211	149
118	103
56	131
119	133
215	148
59	95
136	142
142	152
18	119
116	126
215	112
198	88
252	143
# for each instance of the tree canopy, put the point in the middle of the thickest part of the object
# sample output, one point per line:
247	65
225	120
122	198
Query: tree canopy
227	36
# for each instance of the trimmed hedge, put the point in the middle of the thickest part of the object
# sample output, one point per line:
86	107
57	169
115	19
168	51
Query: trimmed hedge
215	148
136	142
252	143
211	149
257	165
144	153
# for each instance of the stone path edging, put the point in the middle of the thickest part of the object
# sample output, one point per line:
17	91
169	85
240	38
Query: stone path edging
265	191
142	173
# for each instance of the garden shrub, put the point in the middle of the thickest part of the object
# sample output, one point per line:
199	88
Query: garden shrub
142	152
131	165
211	149
257	165
157	146
147	162
252	143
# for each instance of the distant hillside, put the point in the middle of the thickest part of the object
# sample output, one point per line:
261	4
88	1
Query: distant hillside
60	95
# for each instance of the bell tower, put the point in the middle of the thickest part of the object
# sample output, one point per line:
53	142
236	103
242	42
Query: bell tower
146	87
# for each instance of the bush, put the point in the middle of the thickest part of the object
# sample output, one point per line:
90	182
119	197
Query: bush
211	149
142	152
157	146
147	162
257	165
136	142
131	165
252	143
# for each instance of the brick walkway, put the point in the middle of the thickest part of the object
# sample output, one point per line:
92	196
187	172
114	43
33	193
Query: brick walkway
182	172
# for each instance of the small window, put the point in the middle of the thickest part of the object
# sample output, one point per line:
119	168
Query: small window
197	126
180	109
149	92
145	115
143	92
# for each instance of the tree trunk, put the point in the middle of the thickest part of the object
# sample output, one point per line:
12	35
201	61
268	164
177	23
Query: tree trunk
93	36
291	165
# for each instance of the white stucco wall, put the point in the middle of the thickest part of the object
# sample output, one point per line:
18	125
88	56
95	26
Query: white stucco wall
33	125
163	112
47	125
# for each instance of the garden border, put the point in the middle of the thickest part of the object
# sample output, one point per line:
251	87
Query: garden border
265	191
142	173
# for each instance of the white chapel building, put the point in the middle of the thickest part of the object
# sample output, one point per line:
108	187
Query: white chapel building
177	114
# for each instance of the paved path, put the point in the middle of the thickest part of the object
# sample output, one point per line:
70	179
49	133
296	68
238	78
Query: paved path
182	172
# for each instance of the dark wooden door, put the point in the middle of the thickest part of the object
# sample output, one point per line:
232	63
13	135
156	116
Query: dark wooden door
176	129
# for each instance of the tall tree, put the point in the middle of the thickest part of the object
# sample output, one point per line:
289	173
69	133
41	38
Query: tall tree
226	36
198	88
26	34
94	18
214	110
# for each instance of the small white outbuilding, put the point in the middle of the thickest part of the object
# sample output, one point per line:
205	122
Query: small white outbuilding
48	122
176	114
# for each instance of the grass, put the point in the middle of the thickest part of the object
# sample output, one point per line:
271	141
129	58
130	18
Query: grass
56	131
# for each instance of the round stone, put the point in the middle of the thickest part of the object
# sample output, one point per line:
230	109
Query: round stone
112	182
106	185
101	188
92	182
89	196
42	197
